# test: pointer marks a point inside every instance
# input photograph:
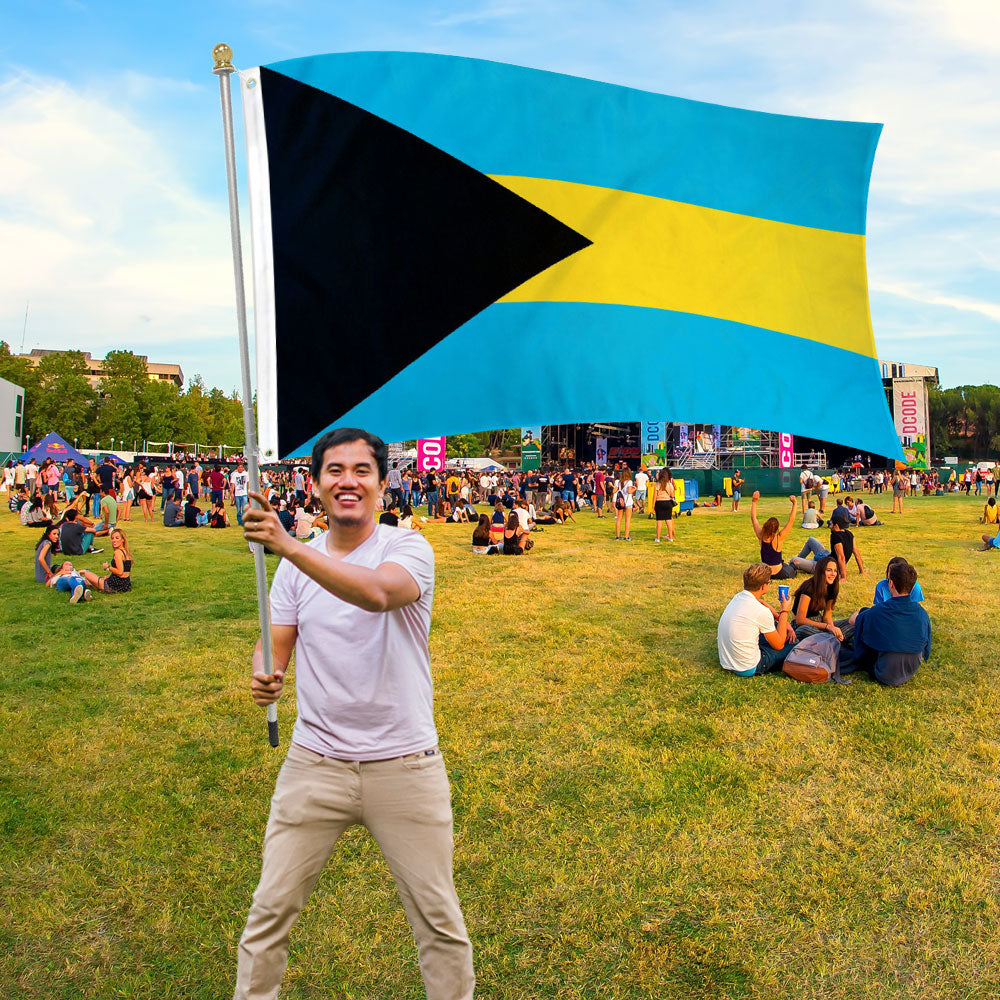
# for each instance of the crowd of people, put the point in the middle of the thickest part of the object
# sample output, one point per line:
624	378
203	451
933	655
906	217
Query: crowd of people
86	504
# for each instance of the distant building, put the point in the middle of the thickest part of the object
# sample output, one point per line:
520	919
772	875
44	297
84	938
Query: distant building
906	389
156	372
11	417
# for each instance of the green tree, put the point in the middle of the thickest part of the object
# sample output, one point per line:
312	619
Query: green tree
65	402
157	403
465	445
226	424
192	415
119	412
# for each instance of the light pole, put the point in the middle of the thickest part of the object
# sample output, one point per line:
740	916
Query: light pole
112	444
75	441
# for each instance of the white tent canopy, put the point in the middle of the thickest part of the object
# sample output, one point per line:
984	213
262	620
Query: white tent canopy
479	464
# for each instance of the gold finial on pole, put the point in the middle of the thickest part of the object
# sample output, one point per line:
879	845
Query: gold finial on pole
223	56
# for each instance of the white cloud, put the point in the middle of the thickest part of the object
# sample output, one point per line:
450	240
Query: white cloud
989	310
478	15
104	234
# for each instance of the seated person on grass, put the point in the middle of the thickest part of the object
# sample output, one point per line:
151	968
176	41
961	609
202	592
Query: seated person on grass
497	523
811	519
390	515
814	601
33	515
515	538
119	578
69	580
192	513
442	514
562	510
481	543
18	500
882	593
523	515
890	639
991	512
44	550
286	517
772	536
218	517
545	517
753	639
108	510
406	519
843	546
173	516
459	515
76	535
50	507
861	512
841	511
990	542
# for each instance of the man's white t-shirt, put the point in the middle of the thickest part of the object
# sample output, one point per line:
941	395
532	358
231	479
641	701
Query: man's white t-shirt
641	480
742	624
805	477
363	678
523	518
240	482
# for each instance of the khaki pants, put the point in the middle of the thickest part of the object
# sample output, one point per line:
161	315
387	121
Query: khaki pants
406	806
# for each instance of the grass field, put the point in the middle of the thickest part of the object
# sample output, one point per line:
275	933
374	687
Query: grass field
630	822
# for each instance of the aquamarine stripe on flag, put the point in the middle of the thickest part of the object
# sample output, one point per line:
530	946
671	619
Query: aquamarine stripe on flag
509	120
713	376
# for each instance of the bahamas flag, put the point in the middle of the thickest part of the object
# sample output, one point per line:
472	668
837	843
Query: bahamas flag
444	245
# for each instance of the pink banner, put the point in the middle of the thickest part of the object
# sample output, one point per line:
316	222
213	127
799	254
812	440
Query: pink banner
430	454
786	451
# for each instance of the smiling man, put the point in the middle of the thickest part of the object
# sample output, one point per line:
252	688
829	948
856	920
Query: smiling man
355	605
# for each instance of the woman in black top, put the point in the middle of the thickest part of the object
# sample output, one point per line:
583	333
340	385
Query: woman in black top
515	539
815	599
772	539
119	578
481	536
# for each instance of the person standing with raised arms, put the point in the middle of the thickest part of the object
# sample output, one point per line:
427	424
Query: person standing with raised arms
355	605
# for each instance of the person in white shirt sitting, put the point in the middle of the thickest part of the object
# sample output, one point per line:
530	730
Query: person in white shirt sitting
811	519
754	639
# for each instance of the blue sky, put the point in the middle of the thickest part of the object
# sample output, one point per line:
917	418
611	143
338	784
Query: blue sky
113	213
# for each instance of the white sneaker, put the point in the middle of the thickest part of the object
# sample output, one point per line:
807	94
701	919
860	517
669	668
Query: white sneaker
77	593
88	595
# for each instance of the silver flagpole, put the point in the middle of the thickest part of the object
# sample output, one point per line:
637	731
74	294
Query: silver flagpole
223	69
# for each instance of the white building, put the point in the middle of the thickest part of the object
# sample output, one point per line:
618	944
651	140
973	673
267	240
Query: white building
11	418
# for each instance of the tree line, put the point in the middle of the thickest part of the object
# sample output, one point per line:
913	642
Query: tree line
127	406
965	421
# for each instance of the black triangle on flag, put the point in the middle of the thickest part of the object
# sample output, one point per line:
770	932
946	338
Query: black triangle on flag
382	246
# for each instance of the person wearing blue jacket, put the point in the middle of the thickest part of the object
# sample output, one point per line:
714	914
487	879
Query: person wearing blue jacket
892	638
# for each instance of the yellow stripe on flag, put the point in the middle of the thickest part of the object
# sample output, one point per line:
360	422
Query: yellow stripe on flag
664	254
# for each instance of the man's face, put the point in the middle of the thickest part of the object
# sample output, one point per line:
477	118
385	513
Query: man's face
348	483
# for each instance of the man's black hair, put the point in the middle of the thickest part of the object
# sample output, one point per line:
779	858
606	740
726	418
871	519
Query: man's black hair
348	435
70	515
